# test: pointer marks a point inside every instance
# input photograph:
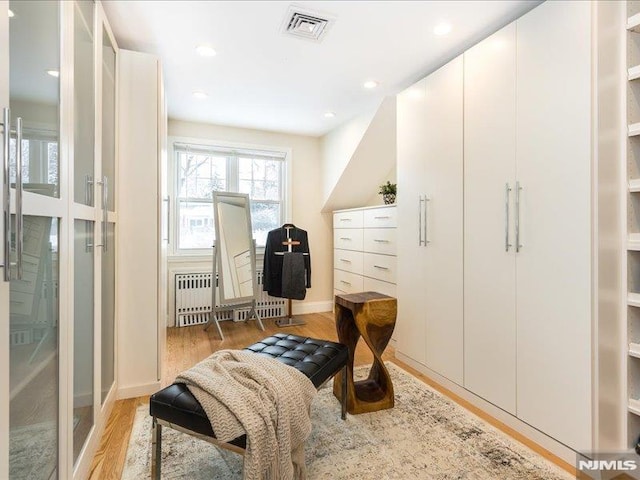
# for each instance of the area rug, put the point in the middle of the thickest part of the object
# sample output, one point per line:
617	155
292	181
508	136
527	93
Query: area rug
425	436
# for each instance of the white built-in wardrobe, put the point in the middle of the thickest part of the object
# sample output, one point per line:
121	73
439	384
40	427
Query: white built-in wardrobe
496	224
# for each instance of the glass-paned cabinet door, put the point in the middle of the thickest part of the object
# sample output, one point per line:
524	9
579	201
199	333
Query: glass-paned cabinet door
109	119
35	93
83	335
34	320
34	66
108	308
84	105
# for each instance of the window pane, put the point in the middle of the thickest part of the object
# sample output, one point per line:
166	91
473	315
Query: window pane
264	217
195	222
199	175
260	178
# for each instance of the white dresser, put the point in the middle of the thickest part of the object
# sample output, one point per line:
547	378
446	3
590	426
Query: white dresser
364	255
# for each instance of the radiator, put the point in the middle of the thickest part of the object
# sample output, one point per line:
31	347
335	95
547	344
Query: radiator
193	301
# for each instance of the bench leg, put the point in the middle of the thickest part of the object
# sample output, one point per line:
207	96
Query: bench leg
343	400
156	449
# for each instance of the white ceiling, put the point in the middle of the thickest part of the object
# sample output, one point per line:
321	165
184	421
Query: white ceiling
263	79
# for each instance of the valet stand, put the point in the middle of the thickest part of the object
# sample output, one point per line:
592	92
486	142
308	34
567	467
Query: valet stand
289	321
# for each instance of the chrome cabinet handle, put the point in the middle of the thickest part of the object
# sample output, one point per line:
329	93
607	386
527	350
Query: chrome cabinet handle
345	260
381	218
168	200
380	240
381	267
346	283
345	238
19	192
420	241
88	189
89	233
6	194
345	219
507	190
426	220
518	244
105	212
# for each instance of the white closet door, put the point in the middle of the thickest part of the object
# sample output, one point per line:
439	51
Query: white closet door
444	250
412	150
489	268
554	263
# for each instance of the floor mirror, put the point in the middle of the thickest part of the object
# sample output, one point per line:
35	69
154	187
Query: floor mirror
234	259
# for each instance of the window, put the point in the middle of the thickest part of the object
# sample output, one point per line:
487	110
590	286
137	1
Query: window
200	170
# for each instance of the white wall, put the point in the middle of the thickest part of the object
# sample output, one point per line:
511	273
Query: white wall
361	169
339	145
306	199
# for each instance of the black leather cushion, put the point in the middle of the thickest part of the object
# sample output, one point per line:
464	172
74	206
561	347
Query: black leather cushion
317	359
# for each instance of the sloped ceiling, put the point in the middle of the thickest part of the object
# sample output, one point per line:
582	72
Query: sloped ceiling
369	165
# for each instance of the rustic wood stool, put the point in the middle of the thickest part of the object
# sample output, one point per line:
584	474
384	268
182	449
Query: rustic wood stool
371	315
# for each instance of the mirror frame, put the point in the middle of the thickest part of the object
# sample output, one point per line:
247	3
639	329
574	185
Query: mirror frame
217	264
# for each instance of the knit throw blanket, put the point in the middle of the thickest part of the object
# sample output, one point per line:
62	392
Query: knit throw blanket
243	392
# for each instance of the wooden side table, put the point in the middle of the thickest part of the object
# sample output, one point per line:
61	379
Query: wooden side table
371	315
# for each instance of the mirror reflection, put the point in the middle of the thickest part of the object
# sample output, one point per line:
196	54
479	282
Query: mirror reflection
234	246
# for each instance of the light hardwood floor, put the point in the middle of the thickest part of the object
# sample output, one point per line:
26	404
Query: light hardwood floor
188	345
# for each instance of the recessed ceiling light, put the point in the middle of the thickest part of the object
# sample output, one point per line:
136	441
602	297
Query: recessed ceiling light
442	28
370	84
329	115
200	94
11	14
206	51
53	73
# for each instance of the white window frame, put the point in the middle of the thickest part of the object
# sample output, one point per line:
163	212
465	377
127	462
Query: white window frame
205	253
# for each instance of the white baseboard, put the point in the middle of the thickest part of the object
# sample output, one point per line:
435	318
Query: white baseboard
138	390
300	308
553	446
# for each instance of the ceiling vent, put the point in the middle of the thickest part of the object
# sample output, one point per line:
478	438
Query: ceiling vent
307	24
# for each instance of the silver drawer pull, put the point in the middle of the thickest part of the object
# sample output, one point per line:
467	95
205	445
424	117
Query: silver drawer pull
380	241
345	219
380	267
345	260
345	238
381	218
346	283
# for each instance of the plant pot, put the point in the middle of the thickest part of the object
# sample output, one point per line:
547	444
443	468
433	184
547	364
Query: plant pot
389	198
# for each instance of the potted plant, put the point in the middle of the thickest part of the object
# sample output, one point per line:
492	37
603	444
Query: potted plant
388	192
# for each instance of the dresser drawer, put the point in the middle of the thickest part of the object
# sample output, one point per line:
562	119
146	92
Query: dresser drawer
380	217
348	260
380	240
373	285
381	267
348	219
347	282
347	238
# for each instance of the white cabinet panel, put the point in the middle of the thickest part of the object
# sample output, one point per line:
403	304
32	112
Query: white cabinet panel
553	265
347	238
348	219
489	261
412	148
384	217
382	267
373	285
444	253
380	240
347	282
348	260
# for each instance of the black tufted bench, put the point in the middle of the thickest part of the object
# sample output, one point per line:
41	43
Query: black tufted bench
175	407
